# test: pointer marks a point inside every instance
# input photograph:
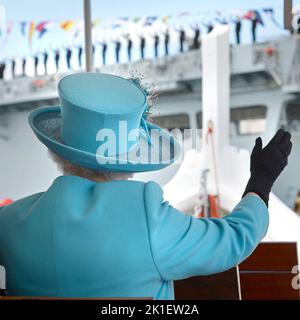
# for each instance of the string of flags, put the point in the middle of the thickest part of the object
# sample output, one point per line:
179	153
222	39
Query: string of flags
30	28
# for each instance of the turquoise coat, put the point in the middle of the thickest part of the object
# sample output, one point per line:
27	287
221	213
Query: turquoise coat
117	239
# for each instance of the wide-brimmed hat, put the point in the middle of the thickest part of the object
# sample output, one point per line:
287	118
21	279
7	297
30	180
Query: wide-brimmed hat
101	124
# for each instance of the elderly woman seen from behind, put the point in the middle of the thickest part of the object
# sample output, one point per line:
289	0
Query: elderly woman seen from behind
94	233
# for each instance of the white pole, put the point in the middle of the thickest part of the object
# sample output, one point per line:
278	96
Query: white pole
215	101
215	84
88	36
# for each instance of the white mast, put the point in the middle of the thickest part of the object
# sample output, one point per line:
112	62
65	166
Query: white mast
215	101
88	35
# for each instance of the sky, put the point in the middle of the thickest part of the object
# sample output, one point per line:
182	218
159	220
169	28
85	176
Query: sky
16	46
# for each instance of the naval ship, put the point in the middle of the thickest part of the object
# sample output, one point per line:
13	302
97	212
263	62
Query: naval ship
264	96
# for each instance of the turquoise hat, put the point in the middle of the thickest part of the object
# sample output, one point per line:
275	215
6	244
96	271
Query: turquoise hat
101	124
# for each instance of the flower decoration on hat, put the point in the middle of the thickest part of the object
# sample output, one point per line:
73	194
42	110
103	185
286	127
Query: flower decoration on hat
151	97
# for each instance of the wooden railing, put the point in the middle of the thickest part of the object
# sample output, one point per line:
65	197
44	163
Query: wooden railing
267	274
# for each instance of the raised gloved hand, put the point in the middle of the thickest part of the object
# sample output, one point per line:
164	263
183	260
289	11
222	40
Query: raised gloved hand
267	163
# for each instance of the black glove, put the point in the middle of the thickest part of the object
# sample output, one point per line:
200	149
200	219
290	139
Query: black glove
267	163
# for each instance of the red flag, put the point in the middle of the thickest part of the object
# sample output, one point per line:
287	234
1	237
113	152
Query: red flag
248	15
42	28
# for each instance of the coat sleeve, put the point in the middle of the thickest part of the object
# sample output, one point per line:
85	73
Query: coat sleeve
183	246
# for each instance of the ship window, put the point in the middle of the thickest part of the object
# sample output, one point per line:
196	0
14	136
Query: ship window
293	116
174	121
249	120
199	120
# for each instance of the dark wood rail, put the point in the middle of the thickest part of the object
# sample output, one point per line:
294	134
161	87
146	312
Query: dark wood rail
266	274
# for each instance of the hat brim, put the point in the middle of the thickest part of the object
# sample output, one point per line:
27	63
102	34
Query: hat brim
46	124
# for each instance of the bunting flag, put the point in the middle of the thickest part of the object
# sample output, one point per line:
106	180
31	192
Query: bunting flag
254	14
258	18
28	28
42	28
67	25
118	23
79	28
76	33
23	25
184	13
270	13
96	22
136	19
248	15
116	26
31	32
166	19
9	27
150	20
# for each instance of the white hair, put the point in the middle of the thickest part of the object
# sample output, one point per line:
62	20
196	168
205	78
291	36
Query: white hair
69	168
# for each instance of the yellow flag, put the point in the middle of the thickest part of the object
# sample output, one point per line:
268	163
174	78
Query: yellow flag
165	19
67	25
96	22
31	31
